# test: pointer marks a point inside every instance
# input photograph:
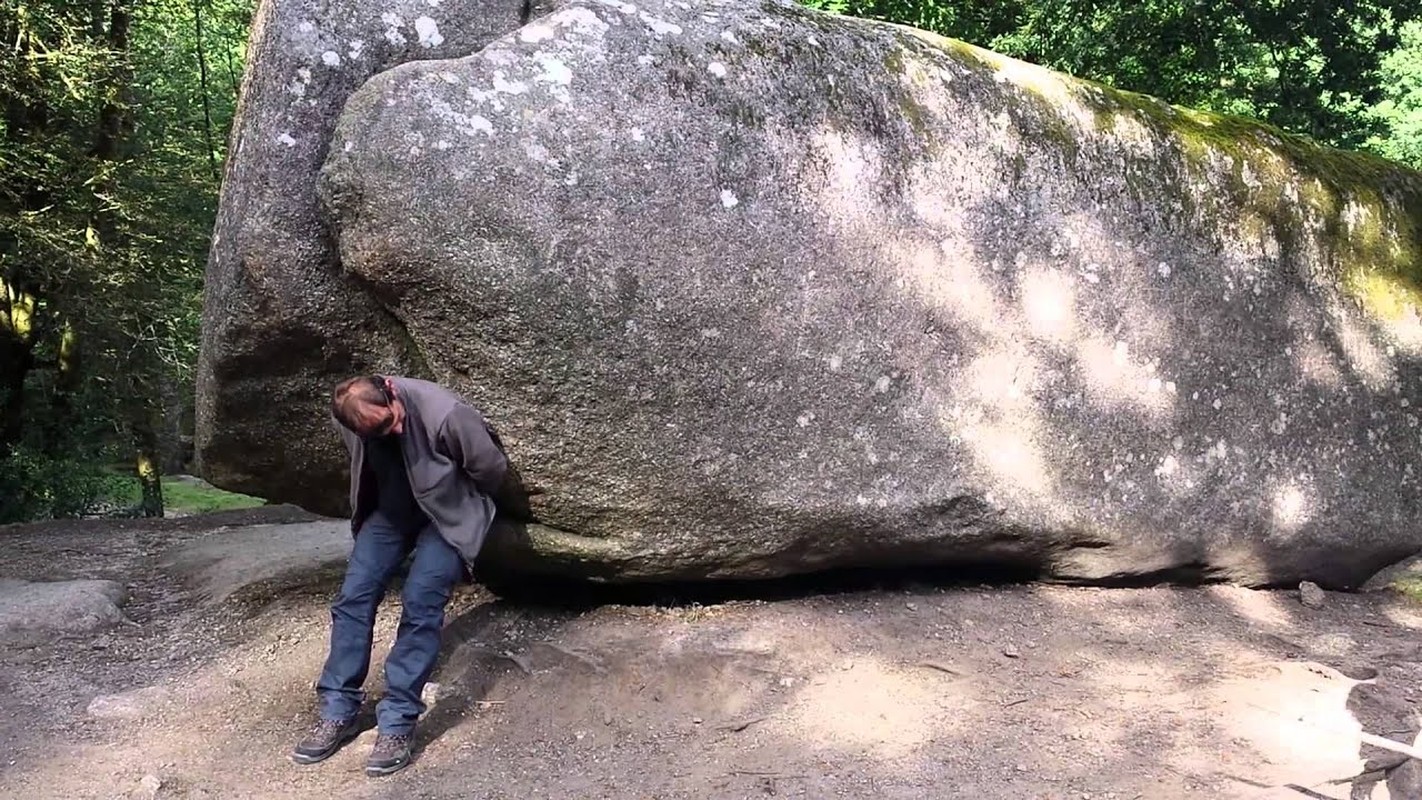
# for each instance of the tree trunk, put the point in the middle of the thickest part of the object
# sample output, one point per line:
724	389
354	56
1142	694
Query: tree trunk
150	473
206	93
17	358
115	121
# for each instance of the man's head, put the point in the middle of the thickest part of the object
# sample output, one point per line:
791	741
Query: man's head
368	406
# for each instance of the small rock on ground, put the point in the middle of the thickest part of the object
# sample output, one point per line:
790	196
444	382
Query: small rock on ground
1311	595
79	606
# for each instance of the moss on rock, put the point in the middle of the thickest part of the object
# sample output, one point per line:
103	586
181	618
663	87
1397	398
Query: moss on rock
1365	212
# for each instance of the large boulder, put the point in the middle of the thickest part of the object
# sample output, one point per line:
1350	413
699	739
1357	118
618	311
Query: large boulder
281	322
753	290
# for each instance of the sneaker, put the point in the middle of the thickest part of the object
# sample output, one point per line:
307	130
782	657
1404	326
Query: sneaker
390	754
324	739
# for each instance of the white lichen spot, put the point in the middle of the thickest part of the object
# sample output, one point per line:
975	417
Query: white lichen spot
812	41
428	31
646	61
1153	385
533	34
637	135
571	180
306	26
710	333
716	68
441	145
479	125
554	71
1167	466
805	419
728	198
583	21
331	58
450	78
1217	404
882	385
660	26
432	3
1170	387
1280	424
835	362
286	139
507	86
1164	269
349	146
729	36
357	45
393	24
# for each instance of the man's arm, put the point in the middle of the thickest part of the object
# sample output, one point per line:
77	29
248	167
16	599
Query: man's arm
468	442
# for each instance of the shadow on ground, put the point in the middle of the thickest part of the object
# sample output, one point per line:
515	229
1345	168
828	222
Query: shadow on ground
885	685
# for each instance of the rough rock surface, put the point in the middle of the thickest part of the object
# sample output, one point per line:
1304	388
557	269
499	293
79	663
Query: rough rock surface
281	322
262	559
40	608
752	290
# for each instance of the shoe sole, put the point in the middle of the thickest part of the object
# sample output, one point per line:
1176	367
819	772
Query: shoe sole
305	758
380	772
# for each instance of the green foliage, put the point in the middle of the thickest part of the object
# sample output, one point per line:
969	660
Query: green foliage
1315	69
35	487
113	124
1400	113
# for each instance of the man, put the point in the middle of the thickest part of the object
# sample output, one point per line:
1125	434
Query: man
424	467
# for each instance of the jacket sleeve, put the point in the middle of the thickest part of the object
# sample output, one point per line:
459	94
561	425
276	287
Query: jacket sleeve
467	441
347	438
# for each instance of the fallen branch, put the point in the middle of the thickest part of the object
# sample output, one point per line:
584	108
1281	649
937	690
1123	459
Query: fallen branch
737	727
940	667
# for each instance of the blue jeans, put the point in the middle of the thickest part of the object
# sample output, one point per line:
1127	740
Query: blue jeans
379	549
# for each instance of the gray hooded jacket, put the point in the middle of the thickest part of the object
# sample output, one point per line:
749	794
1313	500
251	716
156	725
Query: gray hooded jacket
453	462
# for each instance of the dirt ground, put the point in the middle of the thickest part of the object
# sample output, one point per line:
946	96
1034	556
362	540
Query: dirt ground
1023	691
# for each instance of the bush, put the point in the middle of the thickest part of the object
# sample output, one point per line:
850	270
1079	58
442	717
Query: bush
34	486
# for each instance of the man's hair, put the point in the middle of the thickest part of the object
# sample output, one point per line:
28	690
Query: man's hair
353	394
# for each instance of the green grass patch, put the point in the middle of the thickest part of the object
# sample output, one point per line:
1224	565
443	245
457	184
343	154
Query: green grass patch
1409	586
182	497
